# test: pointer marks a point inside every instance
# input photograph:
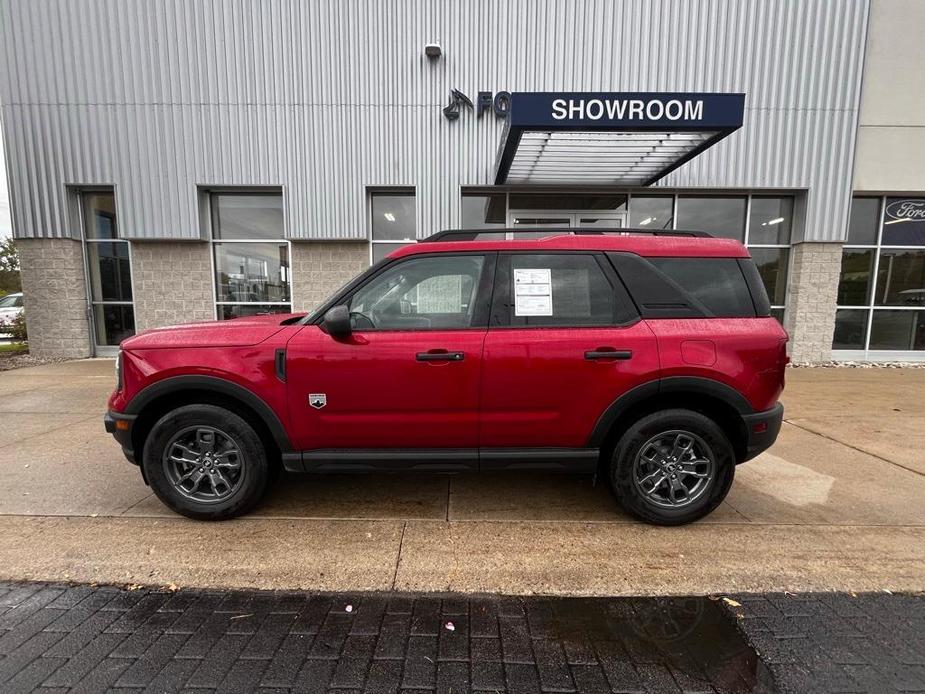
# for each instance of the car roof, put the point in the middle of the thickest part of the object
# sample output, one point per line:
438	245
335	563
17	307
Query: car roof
640	242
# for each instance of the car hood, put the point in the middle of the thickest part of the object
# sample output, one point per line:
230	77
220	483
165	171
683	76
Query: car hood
239	332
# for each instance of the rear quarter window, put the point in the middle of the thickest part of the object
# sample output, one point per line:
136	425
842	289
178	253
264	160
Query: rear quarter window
717	283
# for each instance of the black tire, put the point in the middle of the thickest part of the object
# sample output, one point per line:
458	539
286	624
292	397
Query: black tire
238	440
645	437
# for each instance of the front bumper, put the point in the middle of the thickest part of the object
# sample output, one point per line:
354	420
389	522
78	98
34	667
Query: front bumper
761	430
120	426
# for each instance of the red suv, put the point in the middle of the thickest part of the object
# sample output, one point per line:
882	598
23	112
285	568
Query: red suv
650	357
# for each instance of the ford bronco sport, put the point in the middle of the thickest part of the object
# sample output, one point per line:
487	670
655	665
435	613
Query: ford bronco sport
649	358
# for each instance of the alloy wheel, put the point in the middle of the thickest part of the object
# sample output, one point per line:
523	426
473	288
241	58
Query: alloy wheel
204	464
673	469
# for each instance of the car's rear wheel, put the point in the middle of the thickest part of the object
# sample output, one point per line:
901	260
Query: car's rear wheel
205	462
672	467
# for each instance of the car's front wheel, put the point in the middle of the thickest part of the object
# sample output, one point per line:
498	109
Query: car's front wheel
672	467
205	462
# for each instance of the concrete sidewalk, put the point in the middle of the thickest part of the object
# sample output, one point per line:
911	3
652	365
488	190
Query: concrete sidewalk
836	504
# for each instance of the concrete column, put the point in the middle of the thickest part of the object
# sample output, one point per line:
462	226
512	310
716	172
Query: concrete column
811	299
55	295
172	283
320	268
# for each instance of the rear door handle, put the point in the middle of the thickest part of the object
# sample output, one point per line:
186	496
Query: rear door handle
609	353
440	355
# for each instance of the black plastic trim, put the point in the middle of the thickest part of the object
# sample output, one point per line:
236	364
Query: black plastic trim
178	384
473	234
756	287
673	384
122	436
279	362
759	442
577	460
390	460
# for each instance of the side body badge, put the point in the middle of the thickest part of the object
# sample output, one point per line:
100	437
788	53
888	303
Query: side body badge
317	400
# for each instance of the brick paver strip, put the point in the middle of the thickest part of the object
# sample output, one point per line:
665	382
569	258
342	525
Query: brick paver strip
92	639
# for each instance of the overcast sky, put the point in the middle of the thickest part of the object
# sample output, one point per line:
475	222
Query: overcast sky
6	225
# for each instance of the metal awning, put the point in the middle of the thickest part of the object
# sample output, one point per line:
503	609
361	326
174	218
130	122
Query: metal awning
622	138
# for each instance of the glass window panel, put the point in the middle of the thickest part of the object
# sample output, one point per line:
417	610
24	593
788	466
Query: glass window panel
484	211
381	250
252	272
770	220
720	216
100	216
603	223
854	283
651	211
904	222
581	293
718	283
110	271
863	222
113	323
568	201
772	266
229	311
419	294
901	278
898	330
247	216
850	329
11	301
393	217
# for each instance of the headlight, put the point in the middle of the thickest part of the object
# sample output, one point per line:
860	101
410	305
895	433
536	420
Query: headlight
119	370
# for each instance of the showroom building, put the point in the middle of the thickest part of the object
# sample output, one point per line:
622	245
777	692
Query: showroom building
175	162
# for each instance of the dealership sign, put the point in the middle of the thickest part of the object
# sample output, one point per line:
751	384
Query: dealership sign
627	110
904	222
625	138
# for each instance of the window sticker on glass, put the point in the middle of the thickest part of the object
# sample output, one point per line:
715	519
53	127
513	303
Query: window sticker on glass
532	292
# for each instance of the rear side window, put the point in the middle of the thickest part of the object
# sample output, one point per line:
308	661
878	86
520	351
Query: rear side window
555	290
717	283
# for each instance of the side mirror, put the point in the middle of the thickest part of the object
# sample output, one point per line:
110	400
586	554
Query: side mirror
337	321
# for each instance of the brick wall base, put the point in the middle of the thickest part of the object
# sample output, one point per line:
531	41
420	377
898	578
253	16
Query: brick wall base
813	289
55	297
320	268
172	283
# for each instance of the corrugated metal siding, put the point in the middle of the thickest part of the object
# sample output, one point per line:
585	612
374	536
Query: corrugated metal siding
325	98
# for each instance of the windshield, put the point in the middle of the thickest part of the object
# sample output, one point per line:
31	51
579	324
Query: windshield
11	301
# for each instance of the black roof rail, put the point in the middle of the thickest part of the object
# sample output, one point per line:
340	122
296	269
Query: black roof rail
473	234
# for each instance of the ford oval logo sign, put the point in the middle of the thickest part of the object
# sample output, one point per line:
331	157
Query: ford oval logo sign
913	210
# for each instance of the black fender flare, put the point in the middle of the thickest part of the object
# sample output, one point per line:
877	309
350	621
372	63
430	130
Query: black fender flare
689	385
176	384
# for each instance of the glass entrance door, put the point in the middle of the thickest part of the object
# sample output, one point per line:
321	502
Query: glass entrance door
109	274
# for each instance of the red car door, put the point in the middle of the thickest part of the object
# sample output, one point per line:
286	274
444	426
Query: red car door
405	382
564	342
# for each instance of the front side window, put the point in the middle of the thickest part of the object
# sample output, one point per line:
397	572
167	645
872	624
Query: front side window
425	293
251	254
12	301
109	270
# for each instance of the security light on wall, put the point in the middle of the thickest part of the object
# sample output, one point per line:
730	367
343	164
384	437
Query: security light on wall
433	50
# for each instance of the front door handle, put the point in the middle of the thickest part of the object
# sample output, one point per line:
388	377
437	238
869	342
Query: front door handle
440	355
609	353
